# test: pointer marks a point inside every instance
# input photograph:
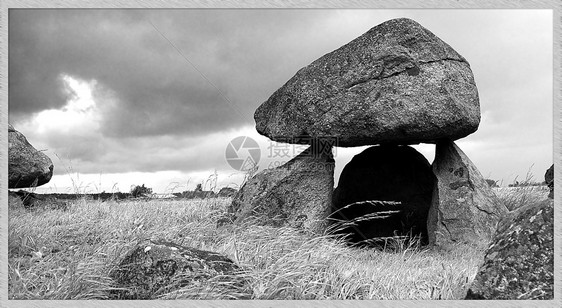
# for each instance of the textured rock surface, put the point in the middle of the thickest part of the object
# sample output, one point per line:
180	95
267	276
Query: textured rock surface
154	268
464	208
519	264
385	173
227	192
297	194
397	83
549	179
27	167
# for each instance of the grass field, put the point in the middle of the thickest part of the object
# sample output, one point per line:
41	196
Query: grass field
68	253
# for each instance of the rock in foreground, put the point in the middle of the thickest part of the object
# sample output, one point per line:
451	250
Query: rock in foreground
519	264
154	268
397	83
297	194
464	208
549	179
27	167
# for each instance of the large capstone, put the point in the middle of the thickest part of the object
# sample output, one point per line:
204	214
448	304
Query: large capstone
464	209
397	83
297	194
27	167
386	190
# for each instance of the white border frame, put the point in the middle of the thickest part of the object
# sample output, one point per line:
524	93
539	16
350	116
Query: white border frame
554	5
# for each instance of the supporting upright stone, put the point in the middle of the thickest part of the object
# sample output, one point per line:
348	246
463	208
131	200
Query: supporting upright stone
297	194
464	209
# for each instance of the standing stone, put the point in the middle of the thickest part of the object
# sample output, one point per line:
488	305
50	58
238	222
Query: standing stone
397	83
27	167
386	173
464	208
297	194
519	264
549	179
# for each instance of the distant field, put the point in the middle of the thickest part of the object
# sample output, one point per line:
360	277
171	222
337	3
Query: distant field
68	253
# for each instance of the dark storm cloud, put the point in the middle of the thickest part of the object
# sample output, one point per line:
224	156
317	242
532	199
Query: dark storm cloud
164	153
157	112
144	85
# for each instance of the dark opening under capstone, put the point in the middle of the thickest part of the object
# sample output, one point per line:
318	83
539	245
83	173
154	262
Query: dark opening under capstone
369	187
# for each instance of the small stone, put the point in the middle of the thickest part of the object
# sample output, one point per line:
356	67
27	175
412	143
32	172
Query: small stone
156	268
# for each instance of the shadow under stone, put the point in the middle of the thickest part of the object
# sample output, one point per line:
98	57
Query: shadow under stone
385	191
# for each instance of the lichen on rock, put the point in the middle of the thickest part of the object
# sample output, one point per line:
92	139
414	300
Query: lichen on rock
155	268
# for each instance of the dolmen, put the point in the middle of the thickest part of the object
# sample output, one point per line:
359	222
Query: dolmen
396	85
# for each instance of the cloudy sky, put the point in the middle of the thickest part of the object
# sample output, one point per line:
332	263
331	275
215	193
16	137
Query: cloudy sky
124	97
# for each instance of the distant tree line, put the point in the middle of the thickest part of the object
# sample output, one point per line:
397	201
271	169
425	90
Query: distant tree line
140	191
525	184
493	183
137	191
199	193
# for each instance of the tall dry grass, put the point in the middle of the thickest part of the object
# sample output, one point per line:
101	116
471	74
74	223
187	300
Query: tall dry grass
69	253
517	197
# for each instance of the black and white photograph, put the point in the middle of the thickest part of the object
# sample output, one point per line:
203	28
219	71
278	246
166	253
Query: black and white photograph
280	153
